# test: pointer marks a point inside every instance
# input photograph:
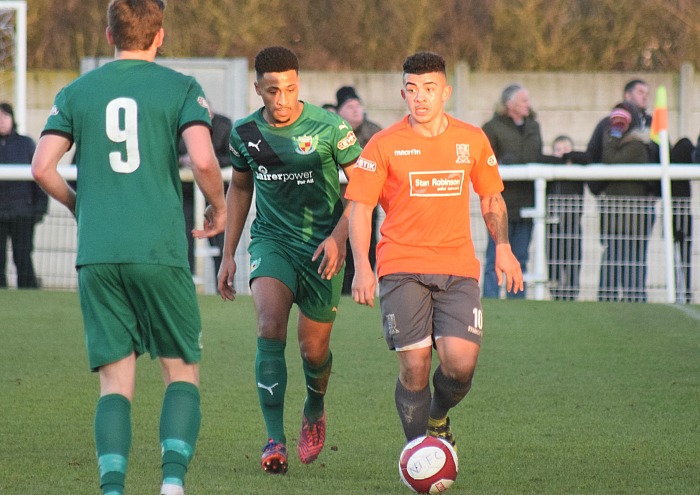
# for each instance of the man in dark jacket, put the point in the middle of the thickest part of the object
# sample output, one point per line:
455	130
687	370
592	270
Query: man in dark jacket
516	139
22	203
626	210
636	93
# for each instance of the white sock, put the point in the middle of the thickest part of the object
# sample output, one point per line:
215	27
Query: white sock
170	489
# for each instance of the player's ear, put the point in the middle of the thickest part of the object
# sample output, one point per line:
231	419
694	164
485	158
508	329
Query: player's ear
403	94
108	35
160	36
446	93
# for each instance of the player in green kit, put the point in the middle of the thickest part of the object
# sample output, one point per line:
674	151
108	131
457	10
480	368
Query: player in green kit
289	151
136	290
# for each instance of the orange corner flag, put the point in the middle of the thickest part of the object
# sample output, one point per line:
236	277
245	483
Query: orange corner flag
659	121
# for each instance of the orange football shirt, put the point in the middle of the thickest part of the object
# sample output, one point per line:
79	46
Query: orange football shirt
422	183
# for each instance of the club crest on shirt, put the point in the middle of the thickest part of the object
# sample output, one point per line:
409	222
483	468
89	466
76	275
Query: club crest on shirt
203	102
462	153
306	144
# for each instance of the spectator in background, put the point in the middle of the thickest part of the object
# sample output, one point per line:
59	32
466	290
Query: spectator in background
349	106
636	95
626	210
221	130
516	139
564	207
329	106
682	152
22	203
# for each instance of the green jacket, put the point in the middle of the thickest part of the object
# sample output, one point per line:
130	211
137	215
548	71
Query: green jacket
630	148
515	145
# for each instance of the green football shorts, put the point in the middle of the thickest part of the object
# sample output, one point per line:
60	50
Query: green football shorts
316	297
139	308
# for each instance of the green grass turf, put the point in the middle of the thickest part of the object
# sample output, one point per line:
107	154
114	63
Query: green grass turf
569	398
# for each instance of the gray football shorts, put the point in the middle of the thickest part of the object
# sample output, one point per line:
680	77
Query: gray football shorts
420	308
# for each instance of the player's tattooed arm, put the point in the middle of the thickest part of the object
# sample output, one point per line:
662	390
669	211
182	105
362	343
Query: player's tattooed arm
493	209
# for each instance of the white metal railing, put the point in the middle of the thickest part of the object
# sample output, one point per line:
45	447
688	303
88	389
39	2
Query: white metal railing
540	174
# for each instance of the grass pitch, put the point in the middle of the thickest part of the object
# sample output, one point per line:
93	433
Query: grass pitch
568	398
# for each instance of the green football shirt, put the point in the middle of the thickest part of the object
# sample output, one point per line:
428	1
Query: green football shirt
295	171
125	119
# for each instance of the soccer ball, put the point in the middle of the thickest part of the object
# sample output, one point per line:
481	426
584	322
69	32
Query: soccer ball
428	465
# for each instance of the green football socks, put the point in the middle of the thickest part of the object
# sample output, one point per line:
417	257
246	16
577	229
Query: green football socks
112	441
316	386
271	376
179	428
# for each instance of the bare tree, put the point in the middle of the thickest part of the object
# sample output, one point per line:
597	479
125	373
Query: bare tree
60	34
640	35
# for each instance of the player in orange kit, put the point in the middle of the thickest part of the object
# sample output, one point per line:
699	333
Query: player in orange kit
419	171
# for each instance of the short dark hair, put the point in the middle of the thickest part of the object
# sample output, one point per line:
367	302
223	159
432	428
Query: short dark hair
275	59
631	84
424	63
135	23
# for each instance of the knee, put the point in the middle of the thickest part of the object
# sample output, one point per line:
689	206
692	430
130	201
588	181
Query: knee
272	328
464	376
314	352
460	372
176	370
415	377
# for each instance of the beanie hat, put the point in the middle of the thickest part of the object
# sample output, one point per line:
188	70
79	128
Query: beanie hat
7	108
344	94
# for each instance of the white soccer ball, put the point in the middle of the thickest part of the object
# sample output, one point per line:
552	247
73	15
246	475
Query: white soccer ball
428	465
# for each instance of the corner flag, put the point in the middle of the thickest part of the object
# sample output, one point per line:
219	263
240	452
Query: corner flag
659	121
659	134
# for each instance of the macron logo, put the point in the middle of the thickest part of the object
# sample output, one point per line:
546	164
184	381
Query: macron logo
412	152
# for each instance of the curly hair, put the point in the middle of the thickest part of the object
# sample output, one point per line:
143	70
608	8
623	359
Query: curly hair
423	63
275	59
